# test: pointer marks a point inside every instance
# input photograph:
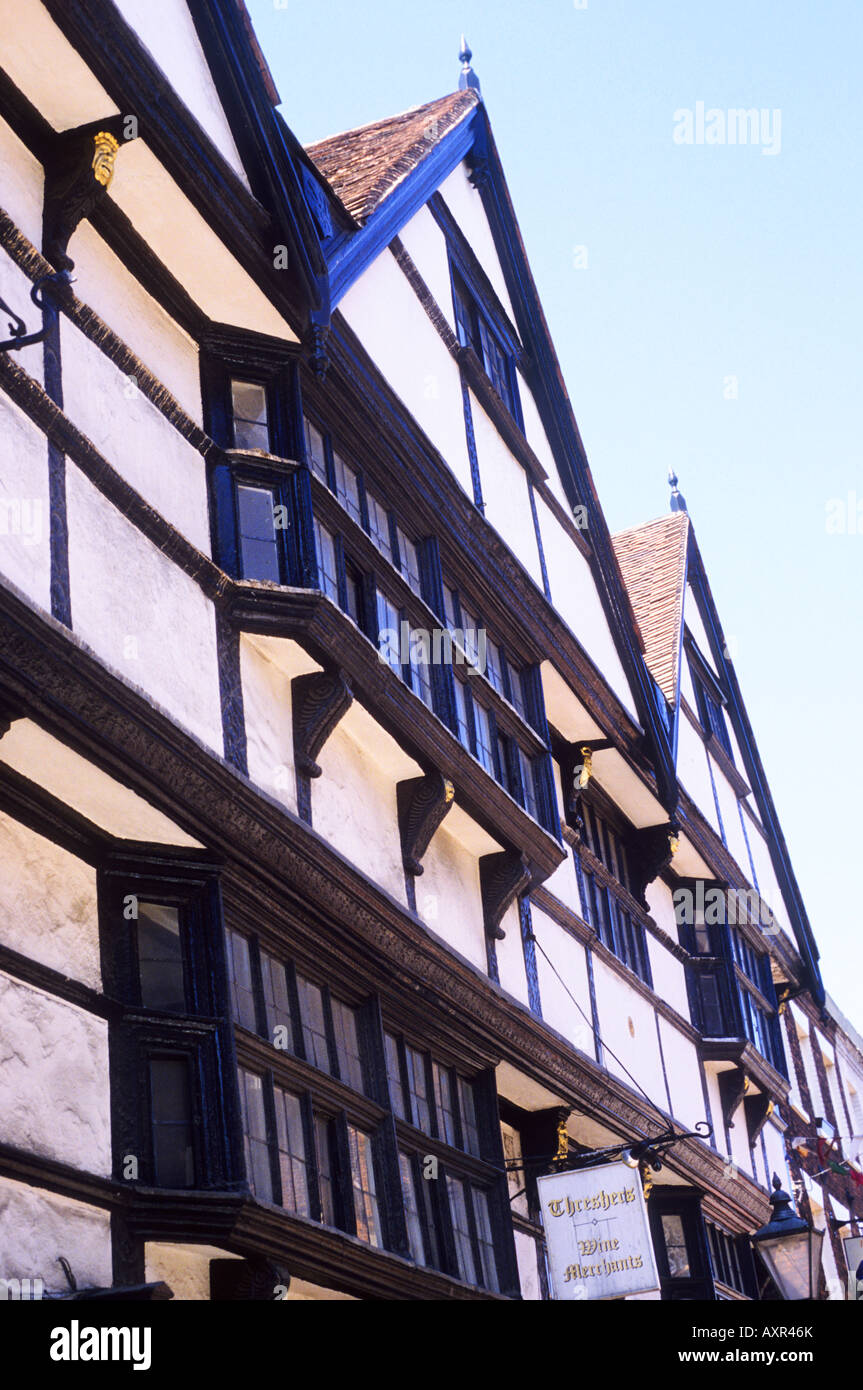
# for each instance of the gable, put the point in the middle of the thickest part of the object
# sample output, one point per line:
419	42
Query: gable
168	32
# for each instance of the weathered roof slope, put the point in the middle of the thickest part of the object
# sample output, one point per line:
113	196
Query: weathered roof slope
652	559
364	165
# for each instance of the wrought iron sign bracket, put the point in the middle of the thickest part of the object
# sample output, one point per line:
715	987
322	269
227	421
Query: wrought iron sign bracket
45	302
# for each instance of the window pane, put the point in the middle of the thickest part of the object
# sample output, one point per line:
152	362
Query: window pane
461	1231
469	1126
470	629
409	562
255	1135
347	1044
483	737
493	665
251	430
420	674
293	1164
365	1193
485	1239
259	551
450	608
325	551
314	1028
173	1149
325	1170
379	524
418	1088
389	632
462	714
347	487
397	1099
315	451
242	993
675	1244
160	958
444	1103
527	782
276	999
516	688
412	1210
353	601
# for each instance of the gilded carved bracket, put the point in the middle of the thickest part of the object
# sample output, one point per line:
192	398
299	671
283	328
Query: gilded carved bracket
77	177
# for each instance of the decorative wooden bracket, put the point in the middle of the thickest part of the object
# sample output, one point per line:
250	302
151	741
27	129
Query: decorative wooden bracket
502	878
8	715
77	176
422	804
733	1085
758	1110
319	701
649	851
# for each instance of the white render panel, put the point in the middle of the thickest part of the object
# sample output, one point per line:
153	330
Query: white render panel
730	818
510	956
425	243
92	793
354	804
134	436
692	618
574	595
37	1225
683	1069
570	961
669	977
184	1268
48	69
504	490
54	1085
267	666
465	204
448	895
563	883
637	1047
535	434
398	335
528	1270
693	771
25	514
48	907
152	335
21	199
140	613
167	31
715	1115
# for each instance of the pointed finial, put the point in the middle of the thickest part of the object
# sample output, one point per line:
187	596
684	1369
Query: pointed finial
468	77
678	501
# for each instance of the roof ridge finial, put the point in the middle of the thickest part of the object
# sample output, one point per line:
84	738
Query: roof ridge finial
678	501
468	78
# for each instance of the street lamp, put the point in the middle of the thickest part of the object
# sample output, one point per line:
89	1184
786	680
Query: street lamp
790	1248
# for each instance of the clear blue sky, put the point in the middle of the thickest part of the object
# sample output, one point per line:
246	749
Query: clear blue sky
703	262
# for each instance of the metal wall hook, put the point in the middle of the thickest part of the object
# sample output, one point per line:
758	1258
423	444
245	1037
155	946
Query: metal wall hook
18	328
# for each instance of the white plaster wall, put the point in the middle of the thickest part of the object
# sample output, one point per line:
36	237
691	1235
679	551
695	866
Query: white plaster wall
731	818
48	908
693	771
687	686
504	490
54	1089
36	1226
510	956
616	1005
425	243
21	198
715	1110
134	436
465	204
117	297
141	614
535	434
683	1070
354	807
528	1271
167	31
395	330
25	516
576	599
669	976
692	618
570	962
774	1142
563	883
269	724
48	69
448	896
184	1268
739	1134
767	884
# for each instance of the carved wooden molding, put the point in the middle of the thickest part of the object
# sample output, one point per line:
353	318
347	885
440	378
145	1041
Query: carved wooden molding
319	700
502	878
77	177
649	853
758	1110
423	802
732	1089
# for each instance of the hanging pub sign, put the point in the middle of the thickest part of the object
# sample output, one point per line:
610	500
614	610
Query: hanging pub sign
597	1233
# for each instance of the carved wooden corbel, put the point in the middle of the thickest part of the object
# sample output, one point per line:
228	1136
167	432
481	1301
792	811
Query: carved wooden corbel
319	701
77	176
649	852
422	804
503	877
733	1085
758	1110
